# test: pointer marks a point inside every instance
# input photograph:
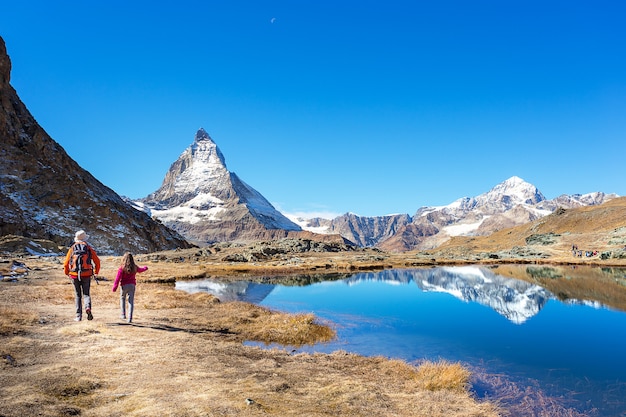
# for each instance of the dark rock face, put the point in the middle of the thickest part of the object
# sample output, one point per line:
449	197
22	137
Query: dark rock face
5	64
369	231
47	195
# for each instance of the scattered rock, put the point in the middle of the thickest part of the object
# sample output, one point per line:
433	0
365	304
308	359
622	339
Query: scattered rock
542	239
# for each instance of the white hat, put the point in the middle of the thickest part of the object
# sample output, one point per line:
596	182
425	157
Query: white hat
81	235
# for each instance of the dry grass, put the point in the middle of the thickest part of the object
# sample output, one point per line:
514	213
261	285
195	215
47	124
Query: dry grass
15	320
435	376
183	356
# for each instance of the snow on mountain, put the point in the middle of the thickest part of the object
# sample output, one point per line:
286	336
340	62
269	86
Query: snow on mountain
205	202
512	193
508	204
314	225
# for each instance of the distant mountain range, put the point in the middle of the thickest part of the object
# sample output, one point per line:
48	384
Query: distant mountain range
510	203
203	201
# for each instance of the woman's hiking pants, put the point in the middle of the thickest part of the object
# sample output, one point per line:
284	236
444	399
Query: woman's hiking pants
81	294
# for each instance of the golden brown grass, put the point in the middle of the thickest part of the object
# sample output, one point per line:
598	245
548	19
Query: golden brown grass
183	356
435	376
15	320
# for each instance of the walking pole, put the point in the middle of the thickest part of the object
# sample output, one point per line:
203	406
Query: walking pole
94	275
80	271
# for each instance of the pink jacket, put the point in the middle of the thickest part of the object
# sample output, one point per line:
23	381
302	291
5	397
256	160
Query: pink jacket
123	278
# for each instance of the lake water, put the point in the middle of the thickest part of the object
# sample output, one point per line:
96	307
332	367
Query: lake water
533	351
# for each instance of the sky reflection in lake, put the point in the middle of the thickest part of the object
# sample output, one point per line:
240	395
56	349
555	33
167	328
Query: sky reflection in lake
467	314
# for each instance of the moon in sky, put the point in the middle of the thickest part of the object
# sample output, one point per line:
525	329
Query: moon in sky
272	20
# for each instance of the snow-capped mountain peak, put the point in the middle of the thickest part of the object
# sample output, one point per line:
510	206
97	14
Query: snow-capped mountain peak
205	202
513	191
204	149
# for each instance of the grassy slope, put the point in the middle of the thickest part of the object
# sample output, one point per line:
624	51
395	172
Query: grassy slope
601	228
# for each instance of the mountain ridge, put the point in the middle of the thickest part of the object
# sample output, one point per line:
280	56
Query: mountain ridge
507	204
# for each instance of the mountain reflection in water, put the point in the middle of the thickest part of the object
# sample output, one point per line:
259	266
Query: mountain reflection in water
565	343
514	299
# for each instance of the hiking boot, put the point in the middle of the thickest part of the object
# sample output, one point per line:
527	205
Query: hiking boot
89	315
78	318
122	317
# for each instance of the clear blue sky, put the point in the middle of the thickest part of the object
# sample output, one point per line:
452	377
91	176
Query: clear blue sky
372	107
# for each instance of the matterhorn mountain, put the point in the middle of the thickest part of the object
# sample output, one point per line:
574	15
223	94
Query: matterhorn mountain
510	203
46	195
203	201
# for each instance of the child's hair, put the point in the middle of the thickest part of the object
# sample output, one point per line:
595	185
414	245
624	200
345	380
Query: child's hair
128	264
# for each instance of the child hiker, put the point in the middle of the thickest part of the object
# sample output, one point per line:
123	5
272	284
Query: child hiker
126	280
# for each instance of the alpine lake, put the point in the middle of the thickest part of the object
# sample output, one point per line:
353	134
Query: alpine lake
539	340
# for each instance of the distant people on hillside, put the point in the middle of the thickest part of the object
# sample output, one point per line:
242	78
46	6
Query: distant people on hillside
579	253
126	279
81	263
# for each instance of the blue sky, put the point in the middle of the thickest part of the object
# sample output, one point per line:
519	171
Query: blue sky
371	107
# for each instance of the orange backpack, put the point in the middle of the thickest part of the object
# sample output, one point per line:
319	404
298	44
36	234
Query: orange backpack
80	260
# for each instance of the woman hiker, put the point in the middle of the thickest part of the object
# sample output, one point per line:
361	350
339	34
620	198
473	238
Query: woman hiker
80	265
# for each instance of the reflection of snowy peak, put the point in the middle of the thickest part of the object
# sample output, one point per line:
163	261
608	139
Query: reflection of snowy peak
514	299
205	202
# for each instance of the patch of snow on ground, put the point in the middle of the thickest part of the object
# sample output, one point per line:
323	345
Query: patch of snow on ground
537	211
463	229
303	223
203	200
187	214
